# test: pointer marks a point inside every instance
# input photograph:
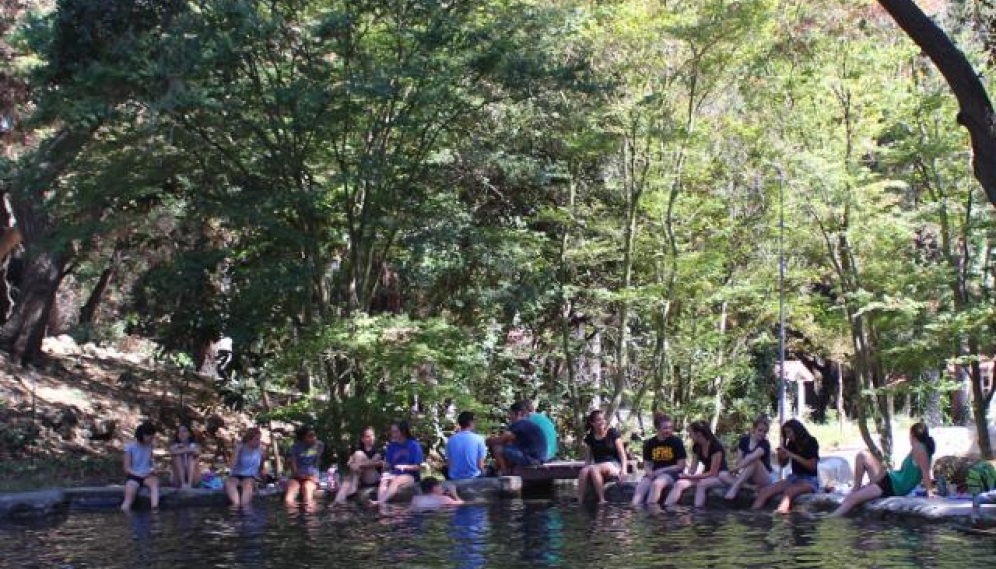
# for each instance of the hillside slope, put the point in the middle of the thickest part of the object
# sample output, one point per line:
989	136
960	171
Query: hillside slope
71	418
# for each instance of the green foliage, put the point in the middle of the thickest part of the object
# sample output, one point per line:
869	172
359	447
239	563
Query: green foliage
394	205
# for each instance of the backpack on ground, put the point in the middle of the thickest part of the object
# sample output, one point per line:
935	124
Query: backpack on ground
981	477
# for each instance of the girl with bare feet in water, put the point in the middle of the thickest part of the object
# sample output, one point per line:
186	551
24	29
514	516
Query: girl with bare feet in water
605	456
304	457
753	459
403	462
138	467
914	470
803	451
246	469
663	460
708	451
365	464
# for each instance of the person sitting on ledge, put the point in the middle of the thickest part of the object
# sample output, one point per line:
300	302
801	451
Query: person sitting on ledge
523	444
663	460
753	458
304	457
914	470
605	456
138	467
432	495
803	450
403	462
465	450
184	452
365	464
709	451
549	430
246	469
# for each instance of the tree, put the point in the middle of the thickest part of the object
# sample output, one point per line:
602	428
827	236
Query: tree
975	109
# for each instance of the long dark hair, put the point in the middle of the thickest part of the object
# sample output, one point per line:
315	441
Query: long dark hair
190	439
703	428
591	419
802	436
921	433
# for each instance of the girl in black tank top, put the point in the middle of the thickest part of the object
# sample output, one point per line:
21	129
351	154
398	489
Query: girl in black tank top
364	466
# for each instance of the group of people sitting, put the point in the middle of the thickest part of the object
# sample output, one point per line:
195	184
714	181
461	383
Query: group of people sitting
666	465
531	439
246	468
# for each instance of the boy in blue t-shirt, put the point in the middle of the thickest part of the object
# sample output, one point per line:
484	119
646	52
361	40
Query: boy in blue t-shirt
465	450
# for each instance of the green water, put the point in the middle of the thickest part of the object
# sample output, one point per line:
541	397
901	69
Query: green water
515	534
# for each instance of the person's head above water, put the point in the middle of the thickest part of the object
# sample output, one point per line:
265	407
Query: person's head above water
430	485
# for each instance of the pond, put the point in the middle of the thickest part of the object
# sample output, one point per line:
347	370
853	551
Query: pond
512	534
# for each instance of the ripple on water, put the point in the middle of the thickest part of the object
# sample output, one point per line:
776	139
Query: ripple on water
511	535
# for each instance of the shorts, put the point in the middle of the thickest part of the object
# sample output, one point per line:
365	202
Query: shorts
615	463
886	485
139	479
241	477
671	477
813	481
514	455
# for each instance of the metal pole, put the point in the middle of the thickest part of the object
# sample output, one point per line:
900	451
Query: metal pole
781	298
781	309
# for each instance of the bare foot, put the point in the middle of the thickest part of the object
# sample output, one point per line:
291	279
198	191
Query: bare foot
603	501
730	494
783	511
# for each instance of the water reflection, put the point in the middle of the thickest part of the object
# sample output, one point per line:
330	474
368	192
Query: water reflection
542	534
469	529
512	535
250	549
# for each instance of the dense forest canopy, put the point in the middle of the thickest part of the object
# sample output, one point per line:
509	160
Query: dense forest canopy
395	205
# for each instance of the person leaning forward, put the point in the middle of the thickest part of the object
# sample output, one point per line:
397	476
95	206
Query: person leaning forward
523	444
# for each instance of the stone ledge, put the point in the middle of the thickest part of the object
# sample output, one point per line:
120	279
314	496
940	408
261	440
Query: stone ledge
480	490
33	504
902	507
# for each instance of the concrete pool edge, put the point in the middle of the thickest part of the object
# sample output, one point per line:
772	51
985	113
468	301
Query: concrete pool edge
56	501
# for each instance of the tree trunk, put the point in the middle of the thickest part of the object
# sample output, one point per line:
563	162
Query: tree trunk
22	334
93	302
933	415
24	331
980	404
975	109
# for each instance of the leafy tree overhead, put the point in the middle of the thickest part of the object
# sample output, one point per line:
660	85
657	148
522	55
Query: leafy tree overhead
396	206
